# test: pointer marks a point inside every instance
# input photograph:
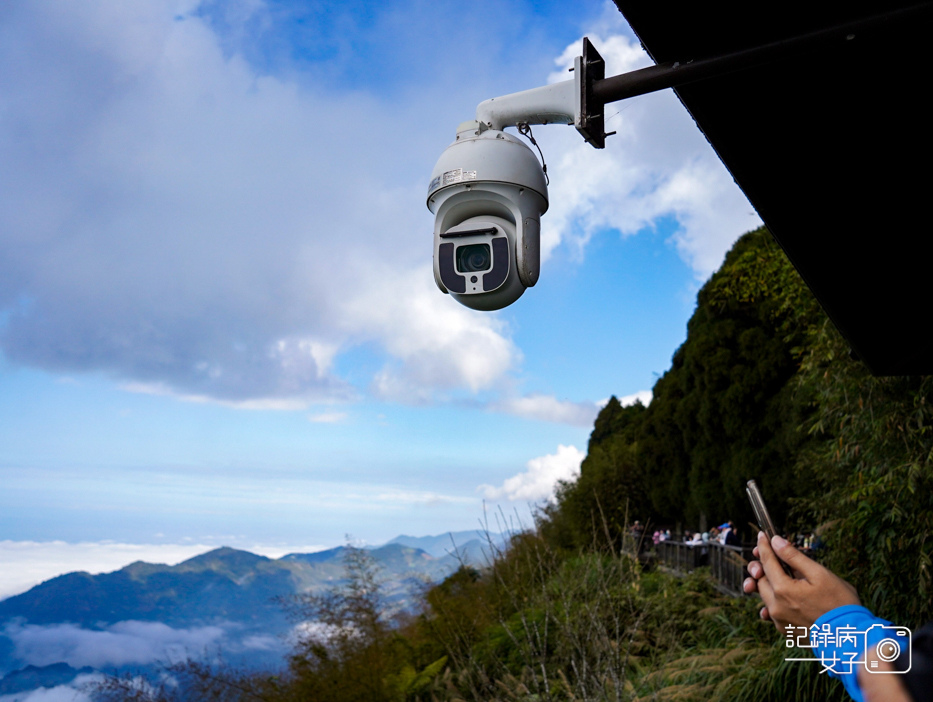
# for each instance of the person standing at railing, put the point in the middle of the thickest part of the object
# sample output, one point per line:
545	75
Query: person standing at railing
732	536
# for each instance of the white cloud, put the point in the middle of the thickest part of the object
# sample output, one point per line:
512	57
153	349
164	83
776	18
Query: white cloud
540	478
549	409
194	226
123	643
437	344
418	497
60	693
261	642
285	404
642	396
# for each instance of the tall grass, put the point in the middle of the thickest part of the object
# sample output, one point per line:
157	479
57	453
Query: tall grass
547	625
538	625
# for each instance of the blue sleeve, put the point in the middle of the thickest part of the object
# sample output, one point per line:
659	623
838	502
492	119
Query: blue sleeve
840	637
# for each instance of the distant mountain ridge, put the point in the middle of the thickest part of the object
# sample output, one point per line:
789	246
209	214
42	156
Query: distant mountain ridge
223	584
239	592
33	677
474	542
228	584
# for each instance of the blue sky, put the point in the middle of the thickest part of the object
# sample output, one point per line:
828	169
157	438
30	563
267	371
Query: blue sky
218	323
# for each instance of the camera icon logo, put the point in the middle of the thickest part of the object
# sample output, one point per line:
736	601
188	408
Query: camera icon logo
884	645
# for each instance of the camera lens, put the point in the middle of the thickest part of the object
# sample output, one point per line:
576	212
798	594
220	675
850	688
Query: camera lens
473	258
888	650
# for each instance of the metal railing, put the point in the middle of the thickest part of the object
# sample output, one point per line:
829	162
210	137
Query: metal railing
681	556
727	564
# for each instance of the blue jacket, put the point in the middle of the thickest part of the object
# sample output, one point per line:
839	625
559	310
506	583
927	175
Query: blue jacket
849	637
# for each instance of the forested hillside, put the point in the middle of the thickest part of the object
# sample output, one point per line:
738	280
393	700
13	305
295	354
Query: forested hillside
729	409
762	387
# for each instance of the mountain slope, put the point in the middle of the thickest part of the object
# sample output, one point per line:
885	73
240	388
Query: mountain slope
223	585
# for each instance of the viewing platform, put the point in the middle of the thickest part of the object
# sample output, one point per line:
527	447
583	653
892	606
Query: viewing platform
727	564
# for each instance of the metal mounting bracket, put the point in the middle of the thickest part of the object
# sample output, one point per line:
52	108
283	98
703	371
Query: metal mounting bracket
591	113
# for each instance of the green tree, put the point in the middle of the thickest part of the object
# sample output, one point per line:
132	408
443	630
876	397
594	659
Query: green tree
345	653
610	488
727	410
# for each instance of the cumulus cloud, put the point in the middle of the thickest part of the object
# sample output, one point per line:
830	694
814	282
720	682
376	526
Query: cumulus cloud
123	643
434	344
194	226
540	478
657	165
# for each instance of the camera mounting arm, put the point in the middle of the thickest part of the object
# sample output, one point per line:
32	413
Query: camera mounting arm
566	102
549	104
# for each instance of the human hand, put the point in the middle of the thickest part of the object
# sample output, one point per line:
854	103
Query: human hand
800	600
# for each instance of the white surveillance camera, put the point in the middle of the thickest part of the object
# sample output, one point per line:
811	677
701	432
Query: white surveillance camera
488	192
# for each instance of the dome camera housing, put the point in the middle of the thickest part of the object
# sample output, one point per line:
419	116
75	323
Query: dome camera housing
487	193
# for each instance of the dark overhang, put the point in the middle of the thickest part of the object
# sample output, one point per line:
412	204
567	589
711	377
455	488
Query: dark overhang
832	147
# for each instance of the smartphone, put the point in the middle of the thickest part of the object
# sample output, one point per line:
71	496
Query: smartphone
762	516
